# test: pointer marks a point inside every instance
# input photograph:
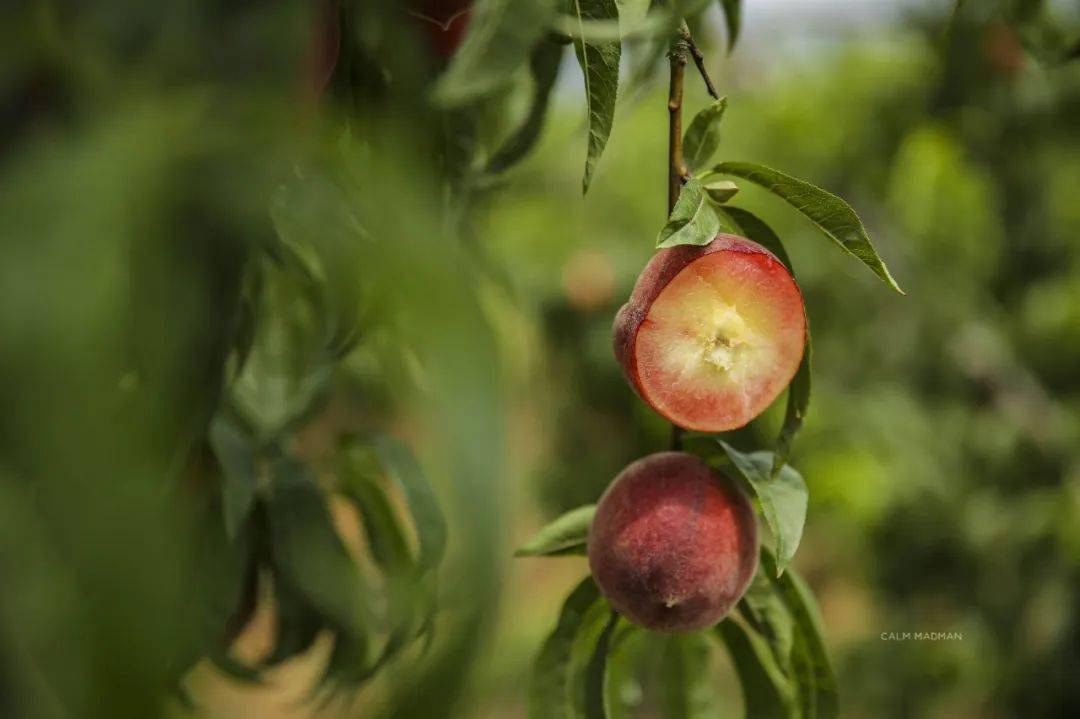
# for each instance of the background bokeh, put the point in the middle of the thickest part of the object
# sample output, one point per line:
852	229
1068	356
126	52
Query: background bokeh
942	449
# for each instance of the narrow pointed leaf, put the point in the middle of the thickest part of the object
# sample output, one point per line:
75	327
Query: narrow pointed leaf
732	20
401	466
549	694
767	692
567	534
500	36
235	453
386	537
544	66
590	703
693	220
798	400
783	498
599	62
811	669
829	213
308	553
688	685
764	610
298	623
702	138
628	642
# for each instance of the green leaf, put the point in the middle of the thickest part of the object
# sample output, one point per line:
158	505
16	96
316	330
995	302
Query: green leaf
732	20
233	668
628	642
386	537
567	534
236	455
753	227
702	138
550	694
591	697
298	623
767	691
720	191
798	400
783	498
693	220
398	462
600	65
763	609
829	213
544	65
308	553
688	685
1073	53
500	36
811	669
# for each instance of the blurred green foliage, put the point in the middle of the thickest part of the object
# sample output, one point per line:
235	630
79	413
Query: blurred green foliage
147	153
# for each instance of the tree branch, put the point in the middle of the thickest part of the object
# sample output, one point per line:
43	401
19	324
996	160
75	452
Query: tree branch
699	60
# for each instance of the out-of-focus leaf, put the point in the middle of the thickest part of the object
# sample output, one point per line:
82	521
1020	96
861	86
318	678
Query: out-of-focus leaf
720	191
811	669
766	690
783	498
637	22
620	681
688	690
646	69
764	610
544	66
400	465
289	368
693	220
564	535
798	400
549	694
298	624
1073	52
829	213
584	689
410	597
500	36
732	20
233	668
237	458
307	552
599	62
386	537
592	698
702	138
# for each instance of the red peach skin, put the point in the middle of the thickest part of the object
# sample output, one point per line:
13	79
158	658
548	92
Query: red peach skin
673	544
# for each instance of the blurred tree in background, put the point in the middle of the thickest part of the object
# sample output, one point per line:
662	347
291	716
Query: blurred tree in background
185	241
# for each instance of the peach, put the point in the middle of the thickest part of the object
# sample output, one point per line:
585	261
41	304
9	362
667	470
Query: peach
711	334
673	544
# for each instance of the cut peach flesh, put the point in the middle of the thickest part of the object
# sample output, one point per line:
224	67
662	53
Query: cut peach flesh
721	340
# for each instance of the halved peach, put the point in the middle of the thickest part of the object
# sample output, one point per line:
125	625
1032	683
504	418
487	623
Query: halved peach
712	334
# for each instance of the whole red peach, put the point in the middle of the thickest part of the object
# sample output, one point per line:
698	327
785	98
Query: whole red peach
711	334
673	544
